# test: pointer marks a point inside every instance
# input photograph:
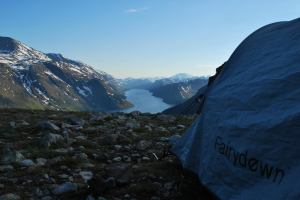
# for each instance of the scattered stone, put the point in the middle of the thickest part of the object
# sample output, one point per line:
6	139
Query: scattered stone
86	175
63	176
46	198
117	159
10	156
143	144
48	125
145	158
90	197
13	124
155	198
110	182
148	128
38	192
10	196
133	124
101	198
41	161
77	121
117	147
55	160
64	188
50	139
93	156
24	123
126	158
164	139
6	168
27	163
180	126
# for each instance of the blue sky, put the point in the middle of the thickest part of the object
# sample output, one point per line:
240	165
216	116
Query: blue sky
141	37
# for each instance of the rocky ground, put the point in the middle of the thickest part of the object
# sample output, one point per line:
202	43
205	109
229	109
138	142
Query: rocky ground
64	155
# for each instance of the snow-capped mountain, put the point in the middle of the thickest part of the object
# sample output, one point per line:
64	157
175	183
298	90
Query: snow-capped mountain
154	82
32	79
181	77
177	78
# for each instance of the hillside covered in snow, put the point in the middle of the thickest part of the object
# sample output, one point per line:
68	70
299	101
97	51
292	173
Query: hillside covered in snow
32	79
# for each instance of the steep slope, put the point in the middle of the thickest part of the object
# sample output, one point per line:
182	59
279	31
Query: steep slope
188	107
32	79
176	93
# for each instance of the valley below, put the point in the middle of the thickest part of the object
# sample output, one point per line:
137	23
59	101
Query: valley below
144	101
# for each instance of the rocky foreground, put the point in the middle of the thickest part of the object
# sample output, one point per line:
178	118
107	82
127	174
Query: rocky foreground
63	155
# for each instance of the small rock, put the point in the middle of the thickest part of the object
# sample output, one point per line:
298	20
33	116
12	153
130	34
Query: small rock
27	163
77	121
10	196
63	176
10	156
6	168
41	161
101	198
108	139
117	159
180	126
65	187
55	160
46	176
122	139
90	197
145	158
126	158
86	175
81	148
148	128
49	139
13	124
38	192
117	147
143	145
24	123
81	137
82	156
164	139
162	129
110	182
46	198
169	185
48	125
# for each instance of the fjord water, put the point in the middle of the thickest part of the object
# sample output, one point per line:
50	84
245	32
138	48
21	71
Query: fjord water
144	101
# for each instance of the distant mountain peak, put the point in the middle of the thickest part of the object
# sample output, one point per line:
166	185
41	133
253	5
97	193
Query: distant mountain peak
56	56
8	45
15	52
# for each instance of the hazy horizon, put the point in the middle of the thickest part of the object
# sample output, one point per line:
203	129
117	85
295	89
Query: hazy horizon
141	38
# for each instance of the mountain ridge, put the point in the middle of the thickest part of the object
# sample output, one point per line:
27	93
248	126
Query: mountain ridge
51	81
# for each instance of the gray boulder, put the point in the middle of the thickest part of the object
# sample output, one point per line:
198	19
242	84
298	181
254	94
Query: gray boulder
49	139
64	188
